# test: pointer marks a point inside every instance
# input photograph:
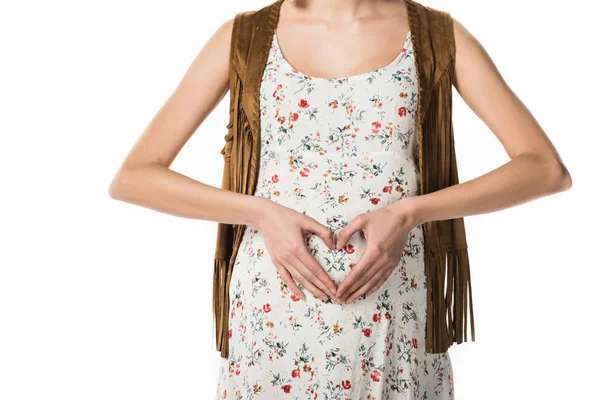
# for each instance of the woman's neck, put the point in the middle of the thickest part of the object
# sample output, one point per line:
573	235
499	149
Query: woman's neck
339	11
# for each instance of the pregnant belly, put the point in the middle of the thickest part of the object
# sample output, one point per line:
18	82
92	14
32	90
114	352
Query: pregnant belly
253	256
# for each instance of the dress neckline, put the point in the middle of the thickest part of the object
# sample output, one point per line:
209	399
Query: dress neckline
289	66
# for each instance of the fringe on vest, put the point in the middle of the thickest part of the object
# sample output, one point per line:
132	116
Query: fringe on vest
447	269
239	175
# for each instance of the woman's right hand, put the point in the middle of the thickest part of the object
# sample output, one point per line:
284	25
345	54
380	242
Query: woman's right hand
283	231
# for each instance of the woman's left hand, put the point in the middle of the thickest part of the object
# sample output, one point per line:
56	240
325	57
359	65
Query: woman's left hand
386	231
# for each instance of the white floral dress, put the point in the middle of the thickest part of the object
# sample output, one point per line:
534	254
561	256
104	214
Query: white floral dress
332	149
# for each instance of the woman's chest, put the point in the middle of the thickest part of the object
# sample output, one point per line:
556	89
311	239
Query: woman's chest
352	116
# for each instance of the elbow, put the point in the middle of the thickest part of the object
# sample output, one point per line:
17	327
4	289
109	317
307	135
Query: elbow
560	177
116	189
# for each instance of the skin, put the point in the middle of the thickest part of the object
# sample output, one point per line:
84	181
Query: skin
339	38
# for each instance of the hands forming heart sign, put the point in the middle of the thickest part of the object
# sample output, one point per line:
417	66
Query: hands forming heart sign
385	231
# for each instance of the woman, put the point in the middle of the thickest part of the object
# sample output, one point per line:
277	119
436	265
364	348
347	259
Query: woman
338	147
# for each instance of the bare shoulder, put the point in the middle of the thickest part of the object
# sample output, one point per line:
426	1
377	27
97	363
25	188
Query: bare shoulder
472	59
476	77
225	30
222	36
465	39
213	58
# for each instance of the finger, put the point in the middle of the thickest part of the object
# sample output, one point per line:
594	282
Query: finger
379	259
315	291
361	267
310	281
286	277
377	285
312	225
367	285
324	280
355	225
299	272
369	272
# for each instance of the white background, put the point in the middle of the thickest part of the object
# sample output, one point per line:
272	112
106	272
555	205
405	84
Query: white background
101	299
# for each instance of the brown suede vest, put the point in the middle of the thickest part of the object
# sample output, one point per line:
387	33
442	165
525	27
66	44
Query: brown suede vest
446	256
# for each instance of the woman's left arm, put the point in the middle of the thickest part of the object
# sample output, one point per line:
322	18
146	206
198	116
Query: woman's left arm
535	169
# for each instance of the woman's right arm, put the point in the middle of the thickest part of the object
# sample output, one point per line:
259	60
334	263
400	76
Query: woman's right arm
145	179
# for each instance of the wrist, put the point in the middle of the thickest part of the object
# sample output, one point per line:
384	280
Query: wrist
410	211
259	207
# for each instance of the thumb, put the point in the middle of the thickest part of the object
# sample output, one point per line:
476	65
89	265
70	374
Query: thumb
314	226
355	225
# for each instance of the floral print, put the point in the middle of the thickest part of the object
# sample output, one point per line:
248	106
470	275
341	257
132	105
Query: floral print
333	148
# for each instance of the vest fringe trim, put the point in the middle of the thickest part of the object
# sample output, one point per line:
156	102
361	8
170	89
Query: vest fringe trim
220	303
446	260
447	314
